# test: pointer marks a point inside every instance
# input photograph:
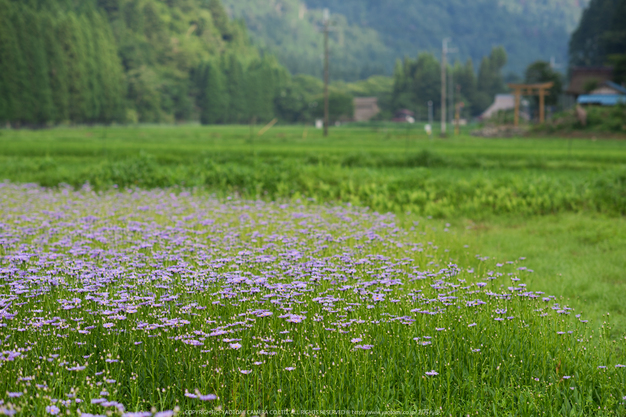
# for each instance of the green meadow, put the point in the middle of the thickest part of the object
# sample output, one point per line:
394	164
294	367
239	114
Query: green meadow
552	206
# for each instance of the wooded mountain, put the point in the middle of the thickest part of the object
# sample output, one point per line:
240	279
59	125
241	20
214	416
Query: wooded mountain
370	34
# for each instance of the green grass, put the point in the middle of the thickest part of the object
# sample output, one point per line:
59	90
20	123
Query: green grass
383	168
558	203
90	275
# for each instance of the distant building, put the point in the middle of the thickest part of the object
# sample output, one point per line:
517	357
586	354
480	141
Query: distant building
365	108
504	102
501	102
607	93
404	116
585	79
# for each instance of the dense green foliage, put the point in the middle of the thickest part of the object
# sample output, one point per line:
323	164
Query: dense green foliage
600	120
388	169
370	35
293	34
57	65
418	81
600	35
542	72
147	61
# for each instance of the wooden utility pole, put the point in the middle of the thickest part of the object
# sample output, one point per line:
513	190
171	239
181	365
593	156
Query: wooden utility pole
326	71
444	50
457	118
444	65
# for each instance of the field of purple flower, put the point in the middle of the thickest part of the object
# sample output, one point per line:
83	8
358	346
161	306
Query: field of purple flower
142	303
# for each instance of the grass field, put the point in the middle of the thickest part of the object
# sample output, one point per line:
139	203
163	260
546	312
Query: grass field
559	204
385	169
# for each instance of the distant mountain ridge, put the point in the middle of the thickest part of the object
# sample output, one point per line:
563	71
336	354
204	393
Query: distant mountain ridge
371	34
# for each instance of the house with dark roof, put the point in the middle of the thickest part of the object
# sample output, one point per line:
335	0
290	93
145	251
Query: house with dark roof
585	79
606	94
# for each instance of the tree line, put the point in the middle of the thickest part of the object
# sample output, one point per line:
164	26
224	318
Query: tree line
57	66
418	81
600	38
150	61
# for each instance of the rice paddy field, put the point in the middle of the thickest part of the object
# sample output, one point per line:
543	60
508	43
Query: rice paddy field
159	271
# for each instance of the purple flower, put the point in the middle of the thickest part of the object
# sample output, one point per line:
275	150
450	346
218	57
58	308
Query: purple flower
52	409
620	366
471	325
235	345
289	368
138	414
363	347
245	372
432	373
15	394
200	396
108	325
295	319
439	329
356	340
601	367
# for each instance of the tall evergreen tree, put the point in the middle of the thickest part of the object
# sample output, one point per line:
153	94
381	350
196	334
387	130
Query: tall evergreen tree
72	41
465	78
212	98
25	93
261	90
490	81
92	61
113	85
586	47
57	72
236	88
9	51
37	65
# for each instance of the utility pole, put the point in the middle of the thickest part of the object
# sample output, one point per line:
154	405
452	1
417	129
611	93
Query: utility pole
430	119
450	88
326	71
444	51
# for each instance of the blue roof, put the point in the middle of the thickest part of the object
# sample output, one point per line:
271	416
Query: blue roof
602	99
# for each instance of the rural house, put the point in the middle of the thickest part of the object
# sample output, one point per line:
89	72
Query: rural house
606	94
585	79
365	108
